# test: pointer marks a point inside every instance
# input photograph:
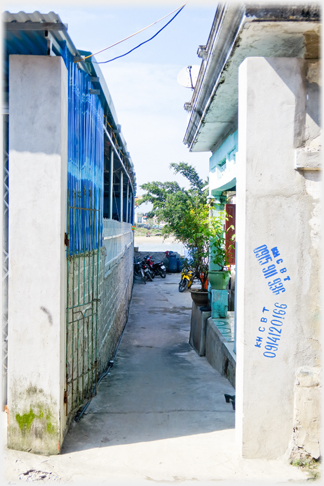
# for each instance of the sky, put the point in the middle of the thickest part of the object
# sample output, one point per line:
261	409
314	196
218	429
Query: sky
147	97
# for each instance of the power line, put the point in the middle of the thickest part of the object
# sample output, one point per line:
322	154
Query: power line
142	43
116	43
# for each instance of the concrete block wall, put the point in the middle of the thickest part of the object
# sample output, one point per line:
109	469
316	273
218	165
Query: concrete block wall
82	326
157	256
115	291
94	338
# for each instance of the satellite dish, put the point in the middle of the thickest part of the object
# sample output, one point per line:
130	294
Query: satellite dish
187	77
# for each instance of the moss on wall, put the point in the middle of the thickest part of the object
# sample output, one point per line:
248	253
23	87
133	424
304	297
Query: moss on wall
33	425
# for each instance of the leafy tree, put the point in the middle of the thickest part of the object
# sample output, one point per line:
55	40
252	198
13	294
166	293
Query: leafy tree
150	221
160	193
189	218
137	202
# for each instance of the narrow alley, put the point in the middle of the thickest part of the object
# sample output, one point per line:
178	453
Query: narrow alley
160	413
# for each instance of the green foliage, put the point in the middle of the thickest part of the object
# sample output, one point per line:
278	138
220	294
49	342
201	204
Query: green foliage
191	175
217	238
308	464
190	218
150	221
141	231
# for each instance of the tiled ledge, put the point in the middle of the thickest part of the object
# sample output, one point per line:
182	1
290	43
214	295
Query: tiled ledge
226	326
219	349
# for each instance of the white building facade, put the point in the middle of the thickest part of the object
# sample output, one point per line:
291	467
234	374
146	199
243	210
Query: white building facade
256	109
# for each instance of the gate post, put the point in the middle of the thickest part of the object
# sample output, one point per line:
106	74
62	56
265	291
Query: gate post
37	267
278	253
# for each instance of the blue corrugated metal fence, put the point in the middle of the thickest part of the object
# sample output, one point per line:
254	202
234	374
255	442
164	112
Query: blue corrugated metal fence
85	158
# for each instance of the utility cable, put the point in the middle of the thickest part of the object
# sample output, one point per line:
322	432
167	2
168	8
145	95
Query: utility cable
132	35
142	43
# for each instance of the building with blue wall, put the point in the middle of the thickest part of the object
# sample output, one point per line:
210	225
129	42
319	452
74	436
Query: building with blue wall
68	248
222	167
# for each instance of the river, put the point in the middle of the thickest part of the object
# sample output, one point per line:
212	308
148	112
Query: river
157	243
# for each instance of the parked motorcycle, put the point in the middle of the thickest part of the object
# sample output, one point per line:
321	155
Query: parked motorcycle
147	261
187	278
148	272
158	268
139	271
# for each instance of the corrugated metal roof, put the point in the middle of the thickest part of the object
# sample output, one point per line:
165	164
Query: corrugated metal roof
241	31
31	17
24	33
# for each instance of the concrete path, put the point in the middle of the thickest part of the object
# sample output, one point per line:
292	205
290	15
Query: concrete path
159	416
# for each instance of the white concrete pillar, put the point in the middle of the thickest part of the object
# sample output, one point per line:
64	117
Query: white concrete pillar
37	268
4	198
121	199
278	252
111	184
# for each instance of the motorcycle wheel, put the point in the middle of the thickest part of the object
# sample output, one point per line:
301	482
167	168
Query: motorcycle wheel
183	285
162	273
143	276
149	276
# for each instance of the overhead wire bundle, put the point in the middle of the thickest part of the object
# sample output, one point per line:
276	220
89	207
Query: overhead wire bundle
178	10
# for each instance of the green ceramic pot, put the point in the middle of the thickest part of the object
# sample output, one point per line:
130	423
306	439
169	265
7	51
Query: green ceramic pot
217	280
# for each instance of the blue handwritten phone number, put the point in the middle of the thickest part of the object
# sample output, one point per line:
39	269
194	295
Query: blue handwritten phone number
274	331
264	257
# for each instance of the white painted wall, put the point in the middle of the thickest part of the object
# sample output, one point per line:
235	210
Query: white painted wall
277	206
116	237
37	222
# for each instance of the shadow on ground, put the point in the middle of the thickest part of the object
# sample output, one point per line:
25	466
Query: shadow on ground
158	388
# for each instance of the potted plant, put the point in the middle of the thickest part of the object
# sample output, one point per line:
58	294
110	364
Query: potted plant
206	245
219	277
189	219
